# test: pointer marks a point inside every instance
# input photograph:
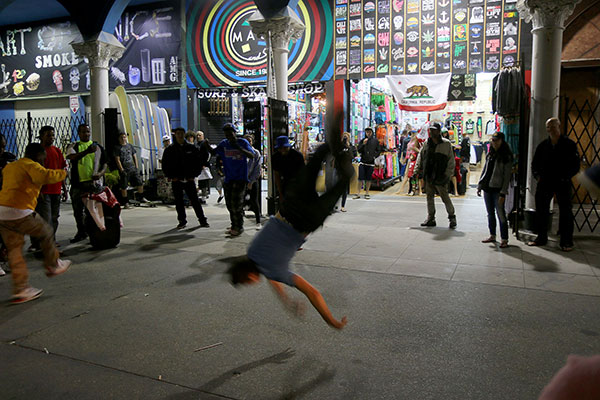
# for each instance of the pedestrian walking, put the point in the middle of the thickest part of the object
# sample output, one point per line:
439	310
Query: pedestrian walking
369	149
436	165
555	162
181	165
494	181
205	175
23	180
302	212
353	153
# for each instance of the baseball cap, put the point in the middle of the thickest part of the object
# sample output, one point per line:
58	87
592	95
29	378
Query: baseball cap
229	127
436	126
282	141
166	138
498	135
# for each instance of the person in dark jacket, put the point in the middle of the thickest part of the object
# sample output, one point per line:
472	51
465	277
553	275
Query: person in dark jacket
181	164
369	149
555	162
494	181
436	165
465	155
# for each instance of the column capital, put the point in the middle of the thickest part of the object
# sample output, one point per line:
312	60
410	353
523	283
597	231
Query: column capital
283	27
546	13
100	50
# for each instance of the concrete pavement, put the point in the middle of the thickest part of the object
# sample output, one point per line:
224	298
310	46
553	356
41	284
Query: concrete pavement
433	313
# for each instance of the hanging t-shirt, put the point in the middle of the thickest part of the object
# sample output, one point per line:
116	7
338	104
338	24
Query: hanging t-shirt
235	162
469	126
273	248
54	160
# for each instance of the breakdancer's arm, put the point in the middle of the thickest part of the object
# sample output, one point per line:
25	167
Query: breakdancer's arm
318	302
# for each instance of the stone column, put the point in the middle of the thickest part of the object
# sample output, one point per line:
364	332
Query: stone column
278	31
548	26
100	51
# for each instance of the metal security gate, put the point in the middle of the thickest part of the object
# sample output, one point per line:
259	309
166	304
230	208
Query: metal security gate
582	125
19	132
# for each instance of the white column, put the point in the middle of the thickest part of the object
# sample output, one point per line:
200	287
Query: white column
280	29
99	51
548	26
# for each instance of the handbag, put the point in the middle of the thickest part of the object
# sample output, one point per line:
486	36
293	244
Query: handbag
205	174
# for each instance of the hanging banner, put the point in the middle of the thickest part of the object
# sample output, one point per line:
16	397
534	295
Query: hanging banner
420	92
38	60
222	49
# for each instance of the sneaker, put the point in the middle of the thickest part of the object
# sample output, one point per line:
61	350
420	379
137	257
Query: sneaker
203	223
452	224
343	209
429	222
258	226
127	206
356	196
78	238
367	197
2	272
219	199
25	295
235	232
181	225
61	267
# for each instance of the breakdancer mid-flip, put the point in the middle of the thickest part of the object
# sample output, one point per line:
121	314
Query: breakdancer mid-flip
302	211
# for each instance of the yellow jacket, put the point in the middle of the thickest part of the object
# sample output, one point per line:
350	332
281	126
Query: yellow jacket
22	181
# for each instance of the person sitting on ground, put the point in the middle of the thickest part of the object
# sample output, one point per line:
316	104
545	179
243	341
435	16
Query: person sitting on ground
302	212
23	180
129	173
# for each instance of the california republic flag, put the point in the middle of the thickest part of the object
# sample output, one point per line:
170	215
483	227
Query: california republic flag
420	92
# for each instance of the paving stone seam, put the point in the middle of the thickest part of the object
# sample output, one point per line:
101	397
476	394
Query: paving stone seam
120	370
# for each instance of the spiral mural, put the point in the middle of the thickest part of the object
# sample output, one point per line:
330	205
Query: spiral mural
223	51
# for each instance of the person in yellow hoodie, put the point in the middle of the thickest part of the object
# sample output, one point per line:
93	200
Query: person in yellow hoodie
23	180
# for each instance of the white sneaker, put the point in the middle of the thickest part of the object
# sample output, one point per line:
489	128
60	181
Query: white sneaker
61	267
258	226
2	272
25	295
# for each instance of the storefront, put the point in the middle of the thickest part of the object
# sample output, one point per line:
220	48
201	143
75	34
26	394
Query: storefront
45	82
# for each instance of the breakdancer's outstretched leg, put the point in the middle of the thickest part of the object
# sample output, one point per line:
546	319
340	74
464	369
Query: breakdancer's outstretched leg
302	212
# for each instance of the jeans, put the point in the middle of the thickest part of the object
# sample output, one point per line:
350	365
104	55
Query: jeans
543	195
493	207
49	208
13	233
234	199
302	206
190	189
443	192
254	200
78	209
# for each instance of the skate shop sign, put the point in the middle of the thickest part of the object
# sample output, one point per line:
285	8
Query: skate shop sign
260	91
38	60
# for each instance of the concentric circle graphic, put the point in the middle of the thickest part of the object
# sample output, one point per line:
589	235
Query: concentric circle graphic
223	51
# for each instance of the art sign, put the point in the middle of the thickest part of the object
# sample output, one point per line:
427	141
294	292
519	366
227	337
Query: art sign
222	50
377	38
39	60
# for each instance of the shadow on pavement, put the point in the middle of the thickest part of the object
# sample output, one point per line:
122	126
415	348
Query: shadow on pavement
277	358
440	233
